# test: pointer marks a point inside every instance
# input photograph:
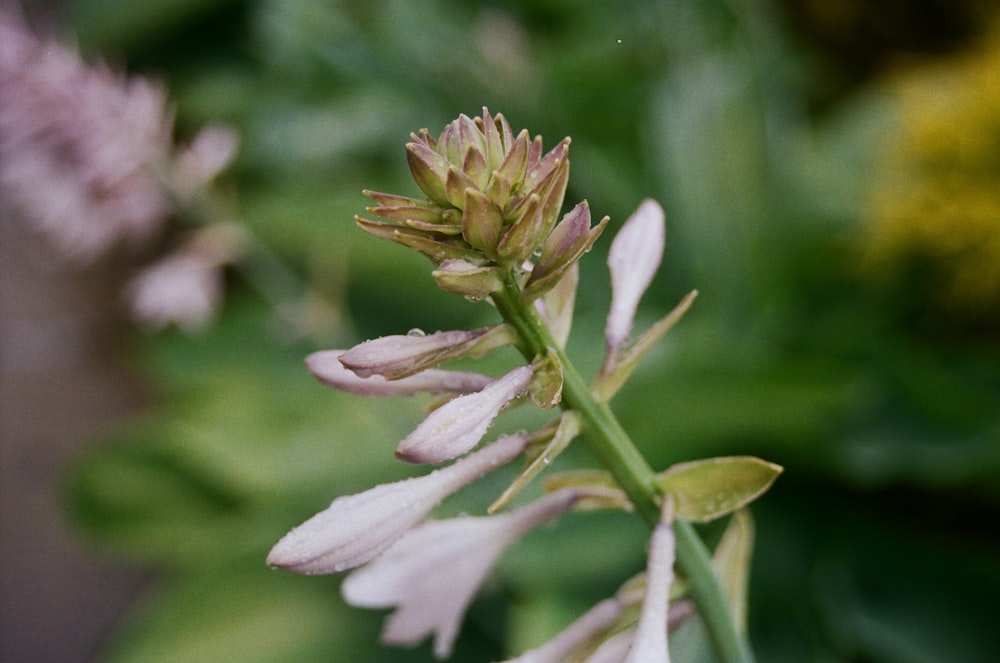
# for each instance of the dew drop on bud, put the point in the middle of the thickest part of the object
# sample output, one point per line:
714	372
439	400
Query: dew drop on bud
417	333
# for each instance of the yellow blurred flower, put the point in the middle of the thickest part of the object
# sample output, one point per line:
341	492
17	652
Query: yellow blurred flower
936	193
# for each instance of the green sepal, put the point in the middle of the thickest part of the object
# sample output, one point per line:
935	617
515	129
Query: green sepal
437	248
481	221
731	560
704	490
429	170
599	486
612	378
468	279
547	384
556	438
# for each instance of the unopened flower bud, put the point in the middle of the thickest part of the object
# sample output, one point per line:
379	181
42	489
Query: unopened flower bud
459	425
563	247
493	197
401	355
464	278
326	366
634	256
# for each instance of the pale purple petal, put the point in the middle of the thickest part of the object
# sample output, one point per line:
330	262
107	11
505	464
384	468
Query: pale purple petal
83	148
433	572
599	618
459	425
326	366
211	151
182	289
356	528
650	642
633	258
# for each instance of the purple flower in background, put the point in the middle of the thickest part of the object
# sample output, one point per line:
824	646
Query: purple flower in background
86	154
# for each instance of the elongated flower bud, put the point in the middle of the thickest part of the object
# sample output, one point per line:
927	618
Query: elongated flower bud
326	366
401	355
634	256
460	424
649	644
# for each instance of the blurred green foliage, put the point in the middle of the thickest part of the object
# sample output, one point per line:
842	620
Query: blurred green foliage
877	543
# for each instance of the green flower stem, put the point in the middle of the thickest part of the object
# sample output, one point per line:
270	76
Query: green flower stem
614	448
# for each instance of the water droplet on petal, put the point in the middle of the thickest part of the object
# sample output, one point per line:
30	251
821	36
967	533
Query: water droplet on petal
415	332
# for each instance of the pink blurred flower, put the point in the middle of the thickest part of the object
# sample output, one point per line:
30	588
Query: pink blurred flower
83	149
87	154
181	288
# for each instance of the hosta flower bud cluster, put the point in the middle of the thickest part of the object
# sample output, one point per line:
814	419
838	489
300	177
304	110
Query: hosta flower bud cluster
493	202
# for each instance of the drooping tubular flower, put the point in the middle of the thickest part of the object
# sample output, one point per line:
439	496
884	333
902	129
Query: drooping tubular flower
493	201
432	573
357	528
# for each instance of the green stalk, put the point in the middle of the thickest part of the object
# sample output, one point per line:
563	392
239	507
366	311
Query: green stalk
616	451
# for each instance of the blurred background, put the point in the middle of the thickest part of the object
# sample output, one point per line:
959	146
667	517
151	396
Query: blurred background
830	173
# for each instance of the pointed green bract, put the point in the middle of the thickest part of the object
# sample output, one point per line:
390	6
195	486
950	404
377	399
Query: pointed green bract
704	490
731	560
467	279
613	377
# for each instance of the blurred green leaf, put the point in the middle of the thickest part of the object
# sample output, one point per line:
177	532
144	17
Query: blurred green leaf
115	24
240	615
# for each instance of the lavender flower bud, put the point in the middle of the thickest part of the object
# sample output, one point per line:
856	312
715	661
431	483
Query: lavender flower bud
401	355
634	256
460	424
650	640
563	247
326	366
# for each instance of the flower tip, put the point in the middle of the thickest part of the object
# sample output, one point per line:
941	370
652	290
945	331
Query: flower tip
282	555
416	456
